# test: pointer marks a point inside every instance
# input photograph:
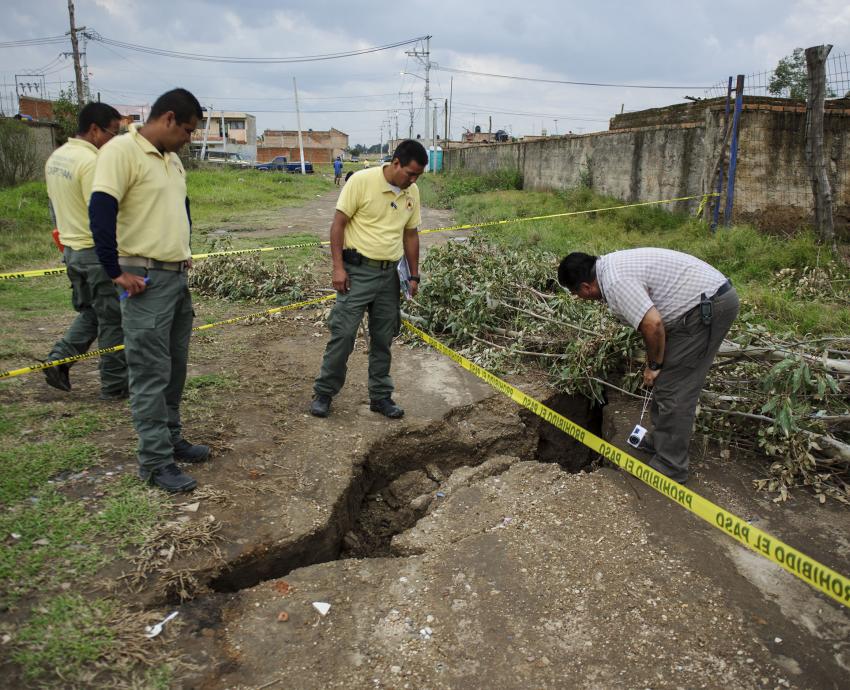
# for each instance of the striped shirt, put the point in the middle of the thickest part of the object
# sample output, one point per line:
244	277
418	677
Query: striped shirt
632	281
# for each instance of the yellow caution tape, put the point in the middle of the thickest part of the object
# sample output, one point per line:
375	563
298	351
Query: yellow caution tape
33	274
231	252
467	226
491	223
104	351
798	564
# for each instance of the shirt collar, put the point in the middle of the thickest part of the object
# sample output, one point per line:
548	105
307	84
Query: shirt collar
390	187
76	141
143	143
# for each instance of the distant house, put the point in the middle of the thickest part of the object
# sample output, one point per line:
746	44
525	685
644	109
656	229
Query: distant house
319	146
226	130
132	114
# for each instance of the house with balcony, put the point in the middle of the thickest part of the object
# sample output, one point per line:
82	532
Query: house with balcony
227	131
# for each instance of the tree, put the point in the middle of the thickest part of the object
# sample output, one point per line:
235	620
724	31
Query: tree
791	76
66	113
18	161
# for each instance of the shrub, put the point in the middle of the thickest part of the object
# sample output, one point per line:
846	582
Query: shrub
18	160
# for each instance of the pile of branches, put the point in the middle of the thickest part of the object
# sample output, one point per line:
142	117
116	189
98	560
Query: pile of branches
787	398
248	277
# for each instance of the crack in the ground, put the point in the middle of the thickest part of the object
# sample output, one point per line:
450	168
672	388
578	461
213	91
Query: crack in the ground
401	475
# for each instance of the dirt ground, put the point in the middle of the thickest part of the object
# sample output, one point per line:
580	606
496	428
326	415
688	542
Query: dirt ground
453	547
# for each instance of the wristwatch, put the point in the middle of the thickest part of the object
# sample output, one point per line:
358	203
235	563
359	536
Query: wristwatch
654	366
416	278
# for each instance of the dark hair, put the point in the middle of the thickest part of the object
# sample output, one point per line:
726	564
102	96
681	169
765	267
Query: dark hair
349	174
99	114
411	150
179	101
575	269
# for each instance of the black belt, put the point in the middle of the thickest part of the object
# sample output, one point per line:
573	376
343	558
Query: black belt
723	289
355	258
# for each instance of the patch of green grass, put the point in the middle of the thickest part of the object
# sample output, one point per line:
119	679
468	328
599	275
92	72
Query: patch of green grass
54	545
80	425
27	467
25	227
69	635
217	196
227	195
441	190
62	540
293	258
35	297
202	381
749	257
129	509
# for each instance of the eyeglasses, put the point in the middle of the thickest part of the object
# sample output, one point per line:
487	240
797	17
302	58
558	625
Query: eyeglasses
111	133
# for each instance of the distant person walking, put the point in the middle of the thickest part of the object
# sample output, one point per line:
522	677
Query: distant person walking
141	224
337	170
376	223
69	173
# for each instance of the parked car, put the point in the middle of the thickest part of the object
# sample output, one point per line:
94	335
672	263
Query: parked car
387	159
354	159
226	158
280	163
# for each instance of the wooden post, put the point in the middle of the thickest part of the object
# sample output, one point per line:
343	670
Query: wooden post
815	158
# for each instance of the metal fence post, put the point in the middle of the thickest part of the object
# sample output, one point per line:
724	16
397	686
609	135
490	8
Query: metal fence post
719	189
733	152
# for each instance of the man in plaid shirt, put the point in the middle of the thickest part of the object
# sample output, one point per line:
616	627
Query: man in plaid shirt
683	308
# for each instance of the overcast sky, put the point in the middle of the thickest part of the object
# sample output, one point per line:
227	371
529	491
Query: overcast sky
689	45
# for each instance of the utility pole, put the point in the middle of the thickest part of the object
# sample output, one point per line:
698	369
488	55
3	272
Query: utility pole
449	115
75	48
206	133
298	119
425	58
445	123
408	101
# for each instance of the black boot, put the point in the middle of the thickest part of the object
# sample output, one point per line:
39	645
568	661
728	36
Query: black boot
387	407
321	406
170	478
58	377
188	452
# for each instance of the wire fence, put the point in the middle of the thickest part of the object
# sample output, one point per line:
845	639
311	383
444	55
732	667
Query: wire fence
772	188
759	83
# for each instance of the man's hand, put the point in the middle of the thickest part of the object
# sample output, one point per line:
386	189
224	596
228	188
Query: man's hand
413	287
132	283
649	377
341	281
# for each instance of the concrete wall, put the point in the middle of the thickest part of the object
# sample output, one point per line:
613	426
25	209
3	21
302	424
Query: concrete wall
674	159
634	165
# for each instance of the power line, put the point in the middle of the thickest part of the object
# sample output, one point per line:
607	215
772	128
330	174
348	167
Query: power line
199	57
561	81
208	97
33	42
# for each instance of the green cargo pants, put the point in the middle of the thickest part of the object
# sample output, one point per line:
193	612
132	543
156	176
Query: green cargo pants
99	316
377	291
157	328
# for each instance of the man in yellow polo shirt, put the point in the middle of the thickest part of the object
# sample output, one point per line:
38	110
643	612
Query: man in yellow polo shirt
376	223
69	173
139	215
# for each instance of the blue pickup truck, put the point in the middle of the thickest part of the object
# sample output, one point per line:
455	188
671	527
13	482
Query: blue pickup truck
281	164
